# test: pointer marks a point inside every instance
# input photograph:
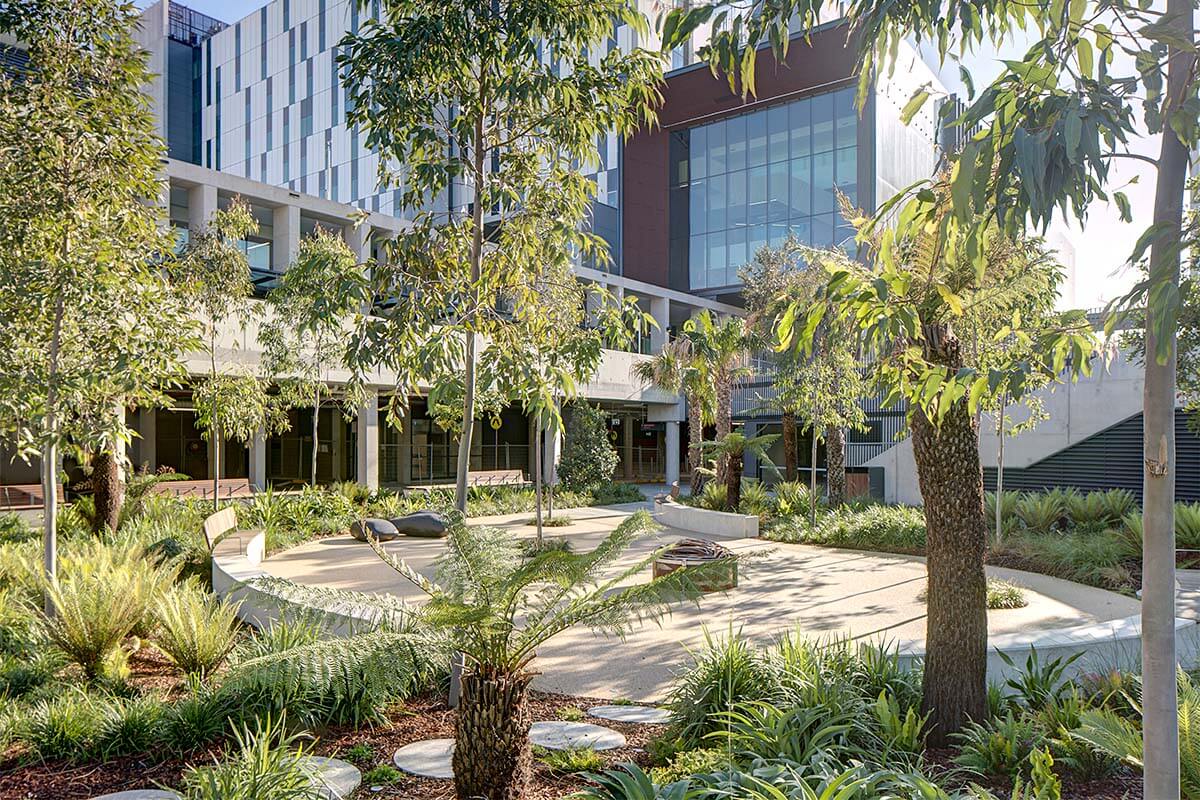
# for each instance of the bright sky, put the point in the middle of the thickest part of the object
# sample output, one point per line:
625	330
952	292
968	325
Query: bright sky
1101	246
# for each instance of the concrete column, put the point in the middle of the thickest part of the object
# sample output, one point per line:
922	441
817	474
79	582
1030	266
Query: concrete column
672	452
202	202
285	223
627	445
147	445
358	239
660	309
750	461
258	460
368	442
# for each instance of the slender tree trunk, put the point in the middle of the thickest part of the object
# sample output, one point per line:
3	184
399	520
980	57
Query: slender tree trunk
1160	728
316	427
492	756
107	491
537	480
790	450
49	517
215	432
812	479
733	482
950	475
1000	471
835	465
695	438
468	425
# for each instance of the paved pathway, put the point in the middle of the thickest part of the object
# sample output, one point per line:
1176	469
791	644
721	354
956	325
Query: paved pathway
818	591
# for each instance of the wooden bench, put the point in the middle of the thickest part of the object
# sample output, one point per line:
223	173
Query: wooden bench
497	477
228	488
221	533
26	495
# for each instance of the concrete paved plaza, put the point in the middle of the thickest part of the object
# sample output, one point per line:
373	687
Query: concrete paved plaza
819	591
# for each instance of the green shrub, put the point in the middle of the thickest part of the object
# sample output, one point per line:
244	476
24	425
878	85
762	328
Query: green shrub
755	500
1095	559
798	734
282	635
196	631
1118	503
712	496
195	720
267	765
1004	595
588	459
360	752
14	530
93	615
571	760
901	728
64	727
1039	683
131	726
1001	747
725	672
691	762
381	775
611	494
1042	511
570	713
22	673
791	498
1090	510
884	528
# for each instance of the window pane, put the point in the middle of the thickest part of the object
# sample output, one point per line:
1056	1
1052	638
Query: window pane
847	173
716	148
822	230
736	239
756	238
697	151
696	252
822	123
802	230
823	197
756	192
847	118
843	236
799	121
716	259
716	203
735	141
736	199
756	134
801	188
777	200
778	234
777	129
697	207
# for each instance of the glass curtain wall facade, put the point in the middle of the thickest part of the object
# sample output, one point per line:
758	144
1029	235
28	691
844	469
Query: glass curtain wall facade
746	181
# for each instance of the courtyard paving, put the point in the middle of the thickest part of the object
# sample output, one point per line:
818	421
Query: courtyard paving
817	591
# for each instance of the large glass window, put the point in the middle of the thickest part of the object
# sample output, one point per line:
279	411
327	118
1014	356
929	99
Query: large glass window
750	180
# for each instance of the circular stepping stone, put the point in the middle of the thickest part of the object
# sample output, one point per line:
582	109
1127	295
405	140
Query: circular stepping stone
644	715
558	735
429	759
139	794
336	777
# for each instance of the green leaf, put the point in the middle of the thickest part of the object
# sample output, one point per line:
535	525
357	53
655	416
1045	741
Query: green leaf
1083	52
950	299
914	104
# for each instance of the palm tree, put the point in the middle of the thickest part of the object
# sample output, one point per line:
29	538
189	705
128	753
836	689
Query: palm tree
500	606
720	351
676	369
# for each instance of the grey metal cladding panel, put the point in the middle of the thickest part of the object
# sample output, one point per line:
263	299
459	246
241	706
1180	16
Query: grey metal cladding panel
1110	459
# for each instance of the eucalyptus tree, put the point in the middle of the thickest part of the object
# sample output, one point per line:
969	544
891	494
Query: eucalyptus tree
907	304
88	326
212	274
485	115
1040	139
312	312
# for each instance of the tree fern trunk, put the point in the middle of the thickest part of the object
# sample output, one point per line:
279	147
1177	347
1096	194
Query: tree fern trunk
724	420
107	491
695	437
951	480
492	756
733	482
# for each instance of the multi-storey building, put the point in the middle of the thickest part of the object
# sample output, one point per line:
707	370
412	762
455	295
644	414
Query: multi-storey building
255	108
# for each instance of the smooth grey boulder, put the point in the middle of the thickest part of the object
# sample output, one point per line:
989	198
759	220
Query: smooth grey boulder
422	524
381	529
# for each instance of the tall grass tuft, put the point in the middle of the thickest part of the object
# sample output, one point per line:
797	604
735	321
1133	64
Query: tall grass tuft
267	764
196	631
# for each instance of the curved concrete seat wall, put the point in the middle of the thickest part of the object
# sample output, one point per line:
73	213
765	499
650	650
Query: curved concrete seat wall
238	577
1115	644
704	522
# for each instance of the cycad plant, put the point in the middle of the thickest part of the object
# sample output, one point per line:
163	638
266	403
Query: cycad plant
197	632
731	450
501	606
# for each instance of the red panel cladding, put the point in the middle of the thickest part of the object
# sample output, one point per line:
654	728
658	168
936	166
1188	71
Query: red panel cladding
696	96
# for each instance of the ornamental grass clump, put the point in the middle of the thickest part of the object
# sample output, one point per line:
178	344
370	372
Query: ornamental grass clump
196	631
499	606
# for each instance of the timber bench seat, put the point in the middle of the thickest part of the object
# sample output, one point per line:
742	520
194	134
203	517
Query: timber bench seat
26	495
222	536
495	477
227	488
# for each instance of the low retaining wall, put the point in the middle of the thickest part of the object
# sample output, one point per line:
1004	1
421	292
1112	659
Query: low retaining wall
237	577
705	522
1105	646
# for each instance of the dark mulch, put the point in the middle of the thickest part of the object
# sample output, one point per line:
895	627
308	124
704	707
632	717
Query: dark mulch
423	718
1123	785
